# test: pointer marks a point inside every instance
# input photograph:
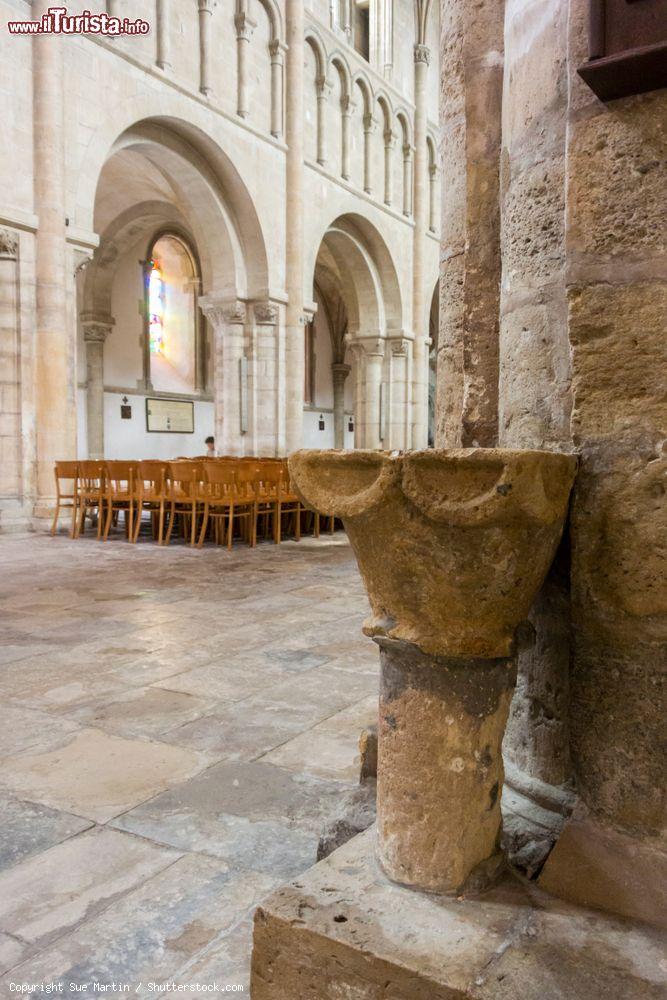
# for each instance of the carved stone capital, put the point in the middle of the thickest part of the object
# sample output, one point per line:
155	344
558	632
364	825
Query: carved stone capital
266	313
340	371
223	312
399	346
277	50
9	242
369	346
96	331
369	122
422	54
407	151
389	137
244	26
347	105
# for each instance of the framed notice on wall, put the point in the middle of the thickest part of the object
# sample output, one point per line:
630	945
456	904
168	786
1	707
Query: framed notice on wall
170	416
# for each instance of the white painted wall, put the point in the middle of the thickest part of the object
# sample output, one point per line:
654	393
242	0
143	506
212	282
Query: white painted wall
129	439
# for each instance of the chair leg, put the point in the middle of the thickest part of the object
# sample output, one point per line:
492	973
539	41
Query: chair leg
277	523
108	521
137	522
230	526
204	526
55	516
75	519
297	532
172	515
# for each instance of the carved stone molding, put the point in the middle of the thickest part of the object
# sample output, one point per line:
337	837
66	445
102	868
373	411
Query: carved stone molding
9	243
244	26
422	54
340	372
96	333
221	312
266	313
399	346
369	123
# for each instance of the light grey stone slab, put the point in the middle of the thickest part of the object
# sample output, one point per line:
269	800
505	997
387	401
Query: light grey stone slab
143	712
23	728
151	932
11	952
51	893
99	776
26	828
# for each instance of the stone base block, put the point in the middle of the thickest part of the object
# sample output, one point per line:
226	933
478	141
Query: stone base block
344	930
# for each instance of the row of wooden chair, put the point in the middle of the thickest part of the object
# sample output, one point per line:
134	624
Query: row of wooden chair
219	494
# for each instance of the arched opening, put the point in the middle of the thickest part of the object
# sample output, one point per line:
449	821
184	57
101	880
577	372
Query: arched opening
360	358
169	239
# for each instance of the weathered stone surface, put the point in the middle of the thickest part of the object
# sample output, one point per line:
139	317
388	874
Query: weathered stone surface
357	811
594	864
440	769
344	930
28	828
368	751
471	533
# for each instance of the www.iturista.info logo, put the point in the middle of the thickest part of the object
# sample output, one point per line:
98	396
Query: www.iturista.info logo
57	21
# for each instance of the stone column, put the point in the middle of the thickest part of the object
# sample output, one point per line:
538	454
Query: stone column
369	123
163	12
228	319
277	53
244	28
339	372
372	363
389	144
294	278
432	200
10	370
407	179
55	382
266	316
205	9
473	533
322	88
420	211
346	113
471	73
399	416
95	332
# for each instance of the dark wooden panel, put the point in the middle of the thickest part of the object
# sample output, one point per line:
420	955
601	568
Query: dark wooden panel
627	47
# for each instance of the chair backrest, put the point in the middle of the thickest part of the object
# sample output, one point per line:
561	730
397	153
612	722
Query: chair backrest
247	481
220	480
151	473
122	475
69	472
185	475
92	475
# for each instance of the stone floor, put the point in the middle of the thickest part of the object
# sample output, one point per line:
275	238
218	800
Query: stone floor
176	726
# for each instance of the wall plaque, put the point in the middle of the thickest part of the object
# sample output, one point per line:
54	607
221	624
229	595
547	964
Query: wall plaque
627	47
170	416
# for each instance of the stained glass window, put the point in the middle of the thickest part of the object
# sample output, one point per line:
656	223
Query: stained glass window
156	298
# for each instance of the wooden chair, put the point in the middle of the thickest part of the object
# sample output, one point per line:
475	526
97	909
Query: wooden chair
151	493
92	493
66	472
184	496
121	495
246	495
275	500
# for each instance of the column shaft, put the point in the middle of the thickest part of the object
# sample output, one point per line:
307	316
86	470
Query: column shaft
346	111
420	204
340	373
321	121
276	50
441	727
294	346
372	388
368	132
163	50
388	167
244	28
54	336
205	15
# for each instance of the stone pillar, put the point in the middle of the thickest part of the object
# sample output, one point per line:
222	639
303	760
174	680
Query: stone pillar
244	28
265	377
277	53
55	382
432	200
322	87
294	278
369	123
228	319
205	8
399	415
10	370
163	12
474	533
389	143
145	382
407	179
370	357
471	73
339	372
95	332
419	311
346	113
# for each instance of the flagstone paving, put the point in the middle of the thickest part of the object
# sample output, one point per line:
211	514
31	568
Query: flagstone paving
176	727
